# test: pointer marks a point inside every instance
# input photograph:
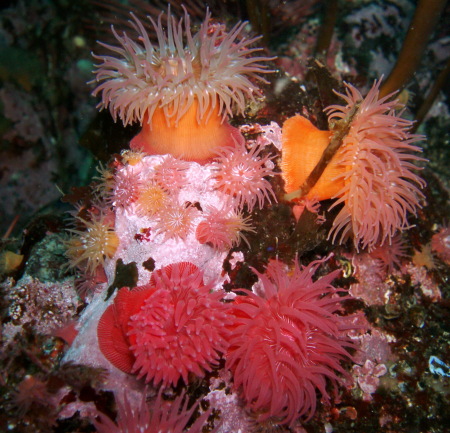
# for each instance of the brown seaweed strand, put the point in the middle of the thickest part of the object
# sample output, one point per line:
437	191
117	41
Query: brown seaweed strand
259	17
424	22
439	83
327	29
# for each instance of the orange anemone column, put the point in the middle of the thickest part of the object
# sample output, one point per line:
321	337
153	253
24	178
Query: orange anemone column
186	138
302	147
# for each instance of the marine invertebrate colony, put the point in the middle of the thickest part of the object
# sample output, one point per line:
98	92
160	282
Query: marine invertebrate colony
183	89
173	237
167	199
161	339
286	344
176	221
372	173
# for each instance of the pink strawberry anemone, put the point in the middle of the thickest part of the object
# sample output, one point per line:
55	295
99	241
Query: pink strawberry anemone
182	89
288	343
223	230
242	176
172	327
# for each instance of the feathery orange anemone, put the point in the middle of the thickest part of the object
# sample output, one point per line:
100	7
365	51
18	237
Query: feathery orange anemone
303	145
186	138
184	88
372	174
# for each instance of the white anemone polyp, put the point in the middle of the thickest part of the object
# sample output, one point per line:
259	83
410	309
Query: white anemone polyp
213	67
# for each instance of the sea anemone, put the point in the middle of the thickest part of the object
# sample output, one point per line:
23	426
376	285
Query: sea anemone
303	145
371	175
90	247
162	418
183	89
389	256
104	182
174	326
152	198
126	189
171	173
175	221
287	344
241	175
380	185
222	230
87	284
131	157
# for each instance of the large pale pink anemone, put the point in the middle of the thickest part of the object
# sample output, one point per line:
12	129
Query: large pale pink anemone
288	343
182	89
172	327
378	156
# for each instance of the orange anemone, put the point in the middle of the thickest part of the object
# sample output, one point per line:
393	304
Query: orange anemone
302	147
181	86
186	138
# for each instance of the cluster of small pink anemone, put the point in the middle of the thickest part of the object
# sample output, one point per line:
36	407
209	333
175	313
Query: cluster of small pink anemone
179	323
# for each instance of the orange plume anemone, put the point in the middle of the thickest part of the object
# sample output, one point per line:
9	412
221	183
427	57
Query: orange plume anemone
186	138
303	145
